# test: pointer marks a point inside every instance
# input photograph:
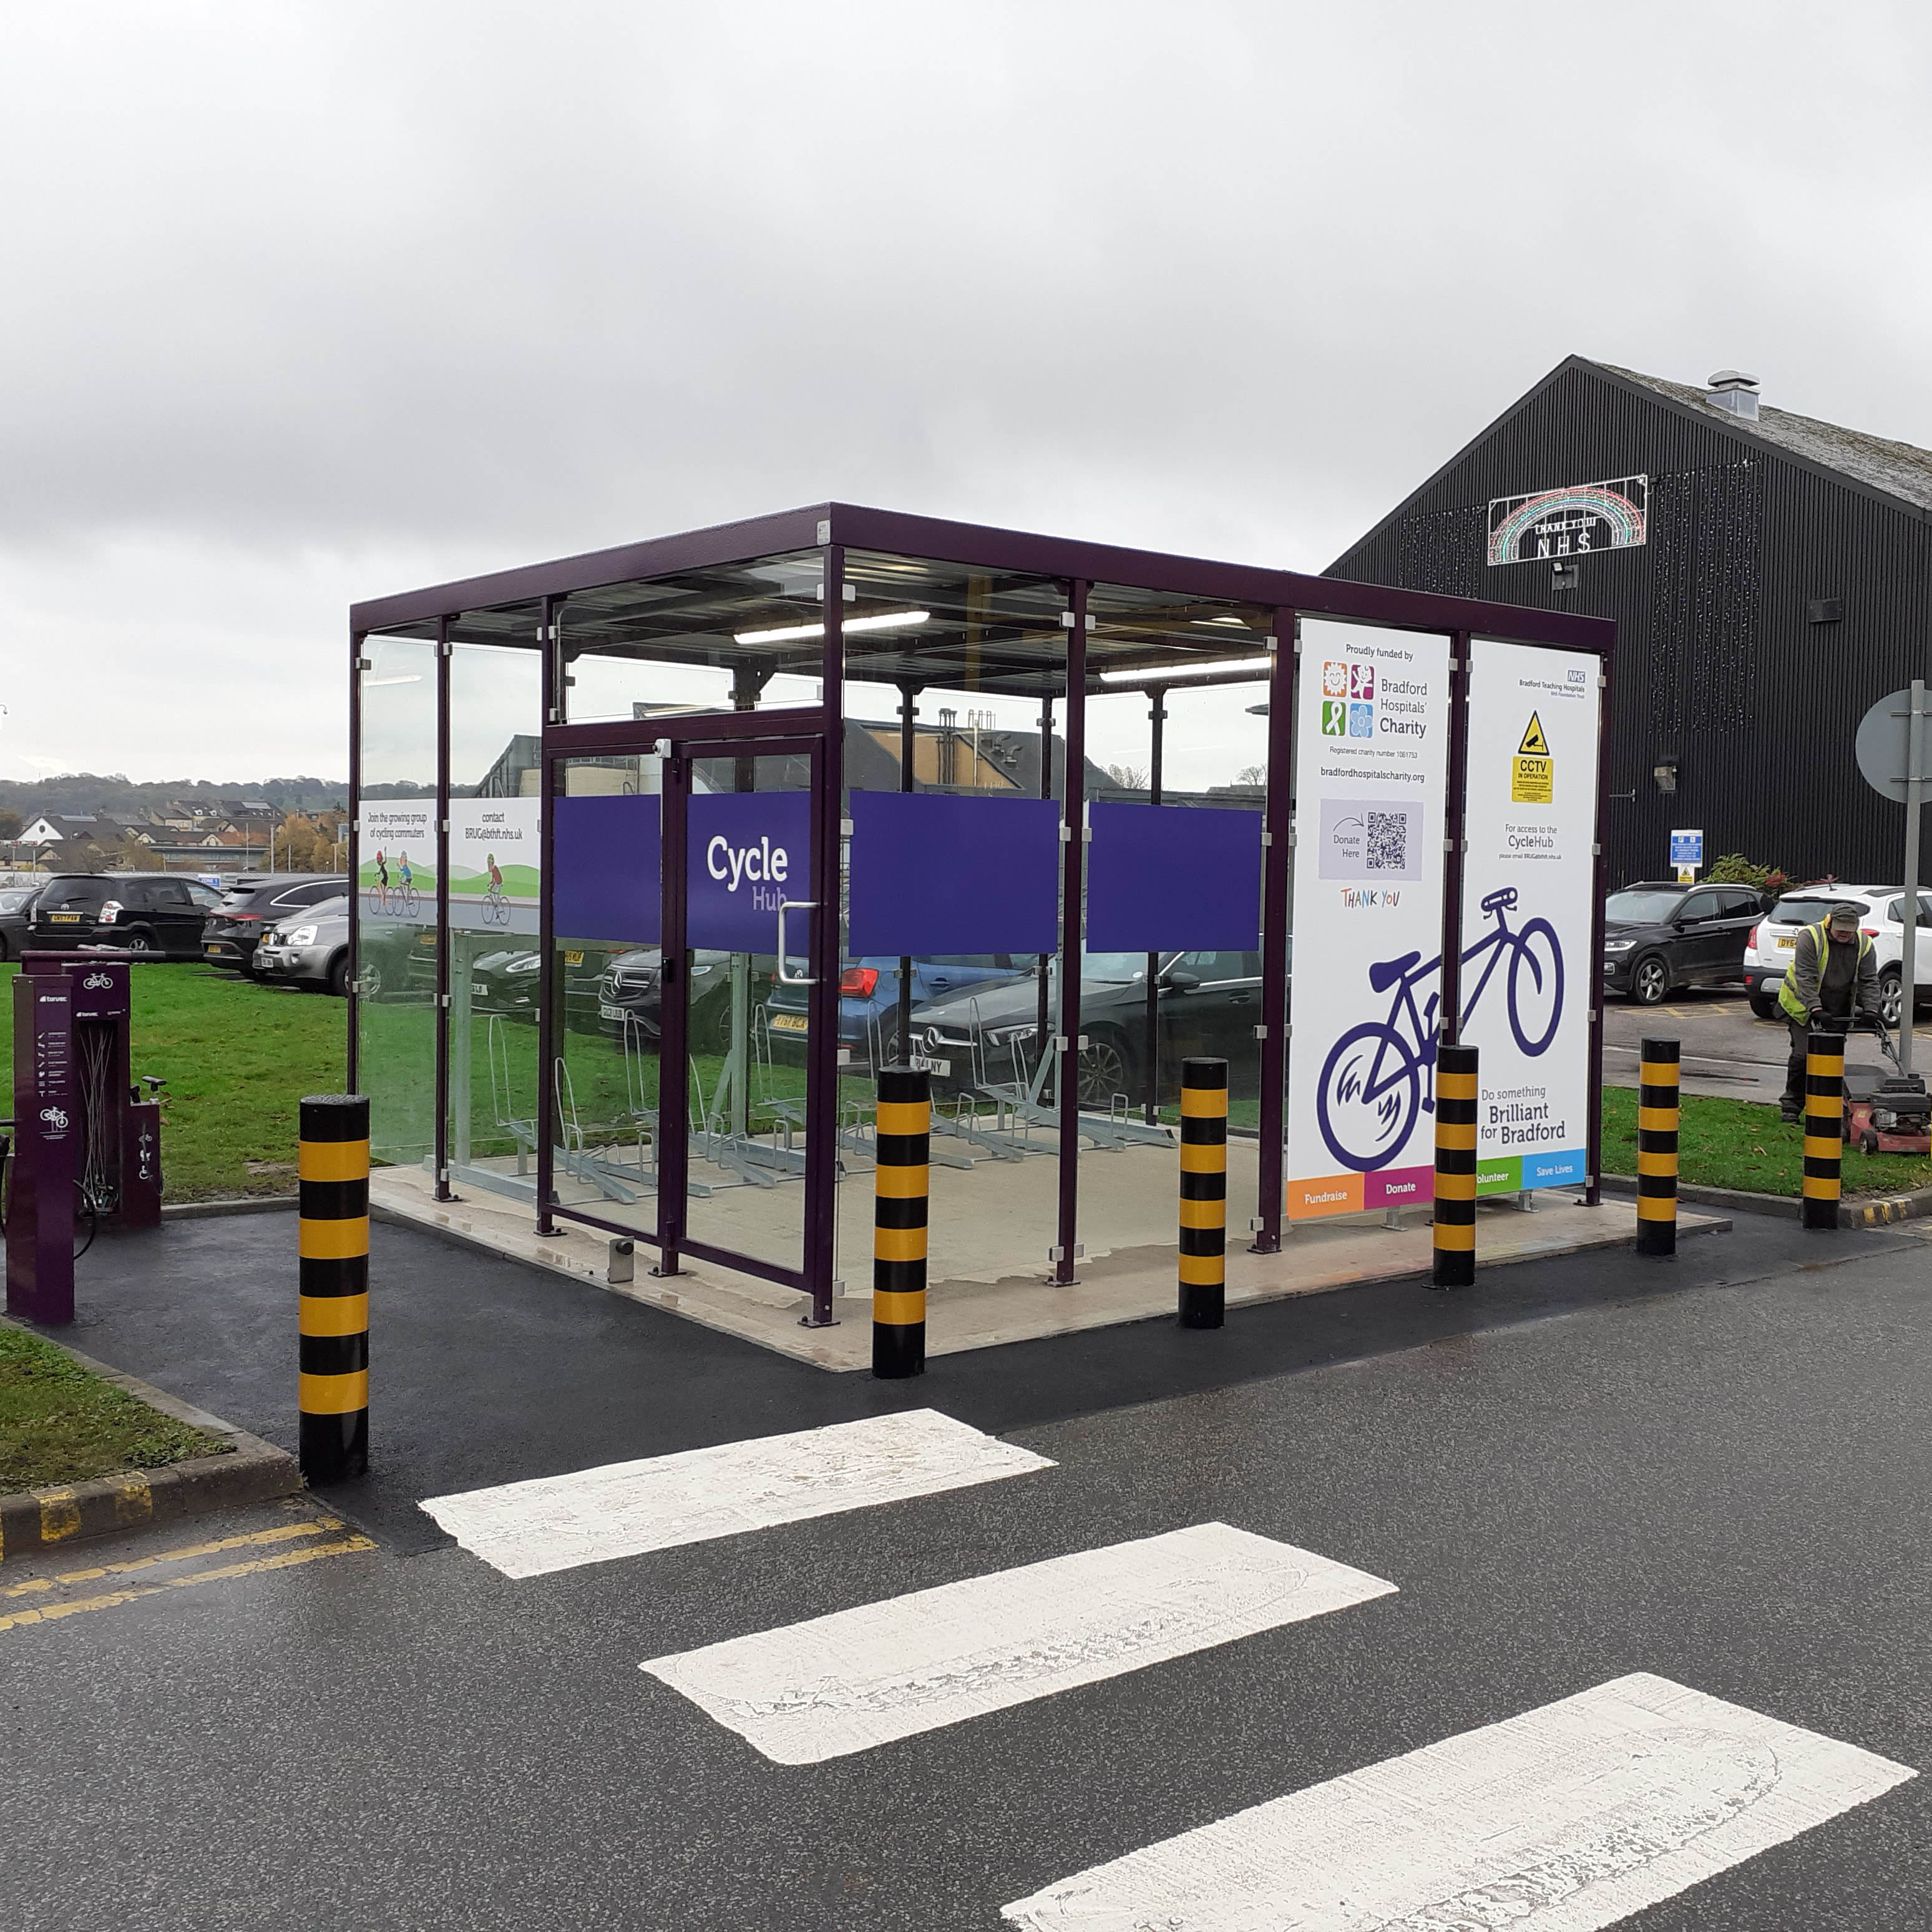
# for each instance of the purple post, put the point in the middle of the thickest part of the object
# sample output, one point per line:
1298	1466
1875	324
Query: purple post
1072	822
821	1087
47	1128
1455	838
673	1017
442	654
1277	851
352	1059
550	675
1593	1146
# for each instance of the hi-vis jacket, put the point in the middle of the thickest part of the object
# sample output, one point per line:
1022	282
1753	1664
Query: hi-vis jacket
1798	994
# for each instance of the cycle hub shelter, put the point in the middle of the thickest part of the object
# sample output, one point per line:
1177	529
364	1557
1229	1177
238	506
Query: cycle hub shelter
662	852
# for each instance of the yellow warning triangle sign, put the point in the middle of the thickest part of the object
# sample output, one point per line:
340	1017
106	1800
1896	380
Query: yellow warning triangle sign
1535	744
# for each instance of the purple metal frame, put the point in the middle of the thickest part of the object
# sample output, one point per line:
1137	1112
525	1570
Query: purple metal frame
551	689
1278	848
1455	839
833	529
1073	853
352	1058
1593	1192
442	1156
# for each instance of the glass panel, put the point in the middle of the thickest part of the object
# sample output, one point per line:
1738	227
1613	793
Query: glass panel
978	666
1171	726
749	854
741	636
396	889
608	975
496	773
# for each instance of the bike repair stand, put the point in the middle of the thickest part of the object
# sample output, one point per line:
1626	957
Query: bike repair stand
46	1127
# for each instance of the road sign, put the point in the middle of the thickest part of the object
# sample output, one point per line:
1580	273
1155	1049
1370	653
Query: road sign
1891	752
1883	747
1687	875
1687	848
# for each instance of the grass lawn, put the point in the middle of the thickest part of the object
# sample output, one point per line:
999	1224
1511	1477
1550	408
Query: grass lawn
1742	1143
59	1423
237	1057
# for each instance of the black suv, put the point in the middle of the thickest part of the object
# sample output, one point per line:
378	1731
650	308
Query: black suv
1657	937
255	900
159	913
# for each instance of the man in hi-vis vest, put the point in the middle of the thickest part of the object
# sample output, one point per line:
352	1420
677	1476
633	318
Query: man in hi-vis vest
1832	976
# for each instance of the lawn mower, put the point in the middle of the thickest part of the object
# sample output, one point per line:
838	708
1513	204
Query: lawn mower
1890	1115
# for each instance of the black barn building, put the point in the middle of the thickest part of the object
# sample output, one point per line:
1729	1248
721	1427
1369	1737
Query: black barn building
1770	576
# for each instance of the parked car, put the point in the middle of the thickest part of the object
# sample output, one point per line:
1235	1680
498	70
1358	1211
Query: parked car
631	991
252	902
868	997
309	948
1657	937
16	906
1210	1003
157	913
1881	920
505	982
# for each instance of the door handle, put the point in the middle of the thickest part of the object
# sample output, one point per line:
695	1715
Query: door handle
793	905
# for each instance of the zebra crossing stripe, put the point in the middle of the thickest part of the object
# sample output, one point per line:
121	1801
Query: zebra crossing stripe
863	1677
1569	1817
625	1509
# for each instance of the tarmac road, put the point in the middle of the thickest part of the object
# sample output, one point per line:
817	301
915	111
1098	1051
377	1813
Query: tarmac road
1714	1469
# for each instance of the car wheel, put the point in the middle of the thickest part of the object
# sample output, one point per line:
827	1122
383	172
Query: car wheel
139	941
1764	1007
711	1026
1650	981
338	976
1890	997
1106	1069
371	977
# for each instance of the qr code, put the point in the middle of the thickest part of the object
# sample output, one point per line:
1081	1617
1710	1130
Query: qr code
1388	842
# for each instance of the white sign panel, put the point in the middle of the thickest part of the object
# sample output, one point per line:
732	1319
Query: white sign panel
396	876
495	864
1687	848
1371	762
1528	900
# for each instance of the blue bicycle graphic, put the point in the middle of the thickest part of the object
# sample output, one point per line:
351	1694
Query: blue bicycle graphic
1380	1073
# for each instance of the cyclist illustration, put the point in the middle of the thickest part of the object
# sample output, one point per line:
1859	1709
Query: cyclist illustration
1378	1074
378	900
406	882
496	907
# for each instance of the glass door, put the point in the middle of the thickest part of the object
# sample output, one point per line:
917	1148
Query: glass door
740	915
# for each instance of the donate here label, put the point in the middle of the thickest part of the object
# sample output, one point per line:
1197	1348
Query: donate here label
747	854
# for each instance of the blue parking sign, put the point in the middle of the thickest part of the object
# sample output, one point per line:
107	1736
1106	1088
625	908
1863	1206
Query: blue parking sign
1687	848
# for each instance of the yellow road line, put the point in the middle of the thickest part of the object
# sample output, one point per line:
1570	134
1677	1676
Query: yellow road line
287	1560
282	1533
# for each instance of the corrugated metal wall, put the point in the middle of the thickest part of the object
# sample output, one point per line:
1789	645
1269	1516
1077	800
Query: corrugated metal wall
1716	665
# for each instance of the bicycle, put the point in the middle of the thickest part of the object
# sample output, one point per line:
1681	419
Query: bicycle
86	1215
496	907
378	897
1373	1085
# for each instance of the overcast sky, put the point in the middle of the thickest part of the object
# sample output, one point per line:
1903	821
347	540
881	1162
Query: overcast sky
302	303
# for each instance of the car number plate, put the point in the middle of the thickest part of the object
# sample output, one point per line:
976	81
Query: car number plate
479	987
791	1023
63	918
606	1012
573	959
1787	941
925	1062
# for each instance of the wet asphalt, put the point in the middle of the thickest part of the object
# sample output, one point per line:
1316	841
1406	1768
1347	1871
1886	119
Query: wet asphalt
1715	1468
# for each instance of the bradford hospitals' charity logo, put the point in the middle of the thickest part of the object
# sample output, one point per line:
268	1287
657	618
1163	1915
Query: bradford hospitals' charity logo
1348	700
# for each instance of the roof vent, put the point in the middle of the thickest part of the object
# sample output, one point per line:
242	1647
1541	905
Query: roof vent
1731	389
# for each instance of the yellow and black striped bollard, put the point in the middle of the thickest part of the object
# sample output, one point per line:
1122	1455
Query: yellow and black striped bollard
1658	1116
1204	1193
1824	1126
333	1168
1455	1251
899	1213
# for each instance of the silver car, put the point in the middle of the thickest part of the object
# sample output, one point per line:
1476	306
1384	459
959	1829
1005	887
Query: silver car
309	948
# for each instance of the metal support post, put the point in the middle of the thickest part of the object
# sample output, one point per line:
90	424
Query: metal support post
1151	1057
1824	1127
901	1183
332	1167
1066	1022
1454	1261
1658	1114
1204	1193
1277	866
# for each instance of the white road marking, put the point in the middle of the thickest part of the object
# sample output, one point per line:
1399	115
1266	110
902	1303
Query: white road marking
624	1509
1569	1817
862	1677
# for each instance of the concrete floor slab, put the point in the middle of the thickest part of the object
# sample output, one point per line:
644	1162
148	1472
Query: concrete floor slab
1004	1297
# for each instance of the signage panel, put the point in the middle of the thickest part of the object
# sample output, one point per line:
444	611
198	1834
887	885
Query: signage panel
1371	752
396	873
1529	901
495	864
1573	520
933	873
747	852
